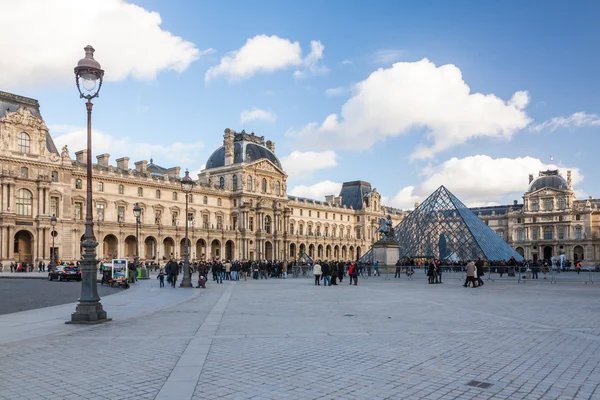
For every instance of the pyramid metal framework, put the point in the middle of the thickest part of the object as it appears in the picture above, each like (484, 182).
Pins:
(444, 228)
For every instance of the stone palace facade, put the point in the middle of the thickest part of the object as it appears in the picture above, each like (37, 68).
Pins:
(239, 208)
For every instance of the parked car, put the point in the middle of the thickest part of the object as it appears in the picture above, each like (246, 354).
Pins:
(62, 273)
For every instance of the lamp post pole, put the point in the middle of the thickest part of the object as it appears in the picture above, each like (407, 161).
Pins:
(186, 185)
(137, 212)
(89, 309)
(53, 233)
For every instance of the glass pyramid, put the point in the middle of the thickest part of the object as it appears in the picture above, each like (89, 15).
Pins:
(444, 228)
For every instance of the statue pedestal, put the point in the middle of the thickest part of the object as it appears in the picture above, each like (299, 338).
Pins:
(386, 253)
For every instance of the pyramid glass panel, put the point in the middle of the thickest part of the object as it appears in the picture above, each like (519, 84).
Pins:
(443, 227)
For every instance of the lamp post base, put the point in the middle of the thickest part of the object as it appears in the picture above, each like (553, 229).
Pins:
(88, 314)
(186, 283)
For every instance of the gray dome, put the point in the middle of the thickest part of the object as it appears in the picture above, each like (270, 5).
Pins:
(243, 151)
(553, 181)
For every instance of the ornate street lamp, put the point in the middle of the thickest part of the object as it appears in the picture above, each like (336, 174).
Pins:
(186, 185)
(53, 234)
(88, 78)
(137, 212)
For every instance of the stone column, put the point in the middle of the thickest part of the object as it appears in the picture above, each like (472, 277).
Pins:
(10, 239)
(3, 242)
(3, 199)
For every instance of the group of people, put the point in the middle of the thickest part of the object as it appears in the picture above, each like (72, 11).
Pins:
(331, 272)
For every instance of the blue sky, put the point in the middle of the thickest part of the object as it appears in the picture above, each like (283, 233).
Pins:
(406, 95)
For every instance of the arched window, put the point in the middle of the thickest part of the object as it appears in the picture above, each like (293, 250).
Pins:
(548, 233)
(278, 188)
(235, 187)
(267, 224)
(219, 202)
(121, 189)
(24, 143)
(54, 176)
(77, 183)
(140, 191)
(174, 196)
(562, 204)
(205, 200)
(101, 186)
(221, 183)
(158, 194)
(264, 185)
(24, 202)
(249, 183)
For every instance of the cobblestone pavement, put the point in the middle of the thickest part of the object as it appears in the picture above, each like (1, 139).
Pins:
(29, 294)
(289, 339)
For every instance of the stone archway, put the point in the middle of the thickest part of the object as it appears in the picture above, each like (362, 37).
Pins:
(328, 252)
(302, 249)
(311, 251)
(130, 246)
(268, 251)
(358, 252)
(344, 253)
(292, 251)
(578, 253)
(351, 253)
(215, 249)
(150, 248)
(229, 250)
(110, 246)
(336, 252)
(23, 247)
(168, 248)
(547, 253)
(521, 251)
(320, 252)
(201, 249)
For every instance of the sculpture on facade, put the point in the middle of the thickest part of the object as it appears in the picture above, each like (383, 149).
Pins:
(385, 228)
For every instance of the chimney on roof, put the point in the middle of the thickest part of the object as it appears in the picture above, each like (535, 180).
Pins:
(271, 146)
(81, 156)
(228, 137)
(569, 181)
(141, 166)
(530, 178)
(515, 202)
(330, 199)
(123, 163)
(174, 172)
(103, 159)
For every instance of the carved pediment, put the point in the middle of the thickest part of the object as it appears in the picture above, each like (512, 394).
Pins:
(266, 165)
(158, 207)
(24, 118)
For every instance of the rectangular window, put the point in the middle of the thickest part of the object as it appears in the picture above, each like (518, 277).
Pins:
(309, 213)
(234, 220)
(519, 236)
(78, 211)
(174, 218)
(54, 206)
(101, 186)
(205, 221)
(174, 196)
(219, 222)
(251, 223)
(578, 233)
(547, 234)
(100, 212)
(578, 217)
(548, 204)
(318, 214)
(561, 233)
(121, 214)
(562, 203)
(535, 206)
(300, 212)
(535, 233)
(140, 192)
(301, 230)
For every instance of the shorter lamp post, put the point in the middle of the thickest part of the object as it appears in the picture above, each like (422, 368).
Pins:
(53, 234)
(137, 212)
(186, 185)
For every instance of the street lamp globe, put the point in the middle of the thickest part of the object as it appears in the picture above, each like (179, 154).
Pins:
(53, 220)
(137, 210)
(88, 75)
(187, 183)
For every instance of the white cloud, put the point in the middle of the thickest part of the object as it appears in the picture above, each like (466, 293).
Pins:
(128, 40)
(318, 191)
(303, 164)
(576, 120)
(336, 91)
(257, 114)
(262, 54)
(387, 56)
(419, 96)
(347, 62)
(176, 153)
(478, 180)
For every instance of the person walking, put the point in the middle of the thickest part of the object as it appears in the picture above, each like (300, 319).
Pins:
(471, 270)
(227, 266)
(350, 272)
(376, 268)
(326, 274)
(317, 273)
(161, 278)
(479, 266)
(354, 275)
